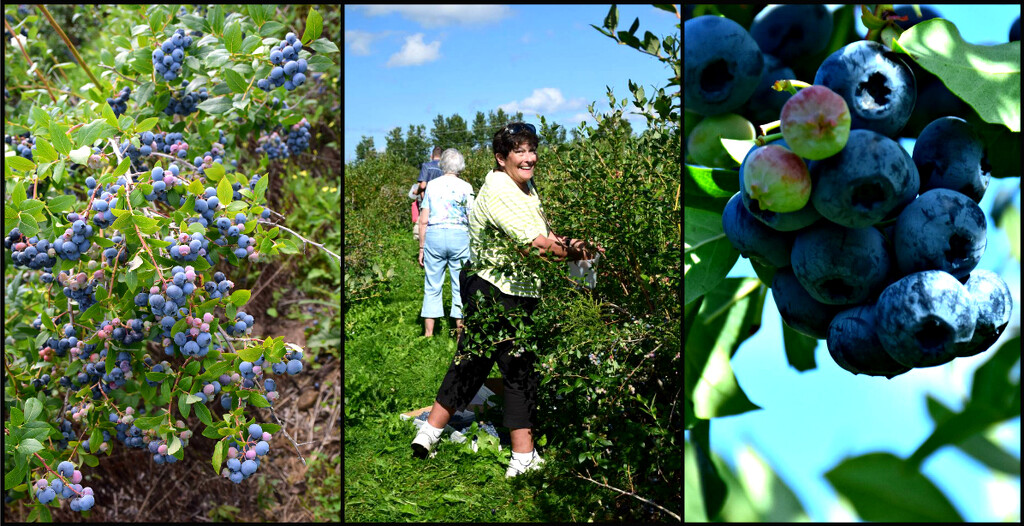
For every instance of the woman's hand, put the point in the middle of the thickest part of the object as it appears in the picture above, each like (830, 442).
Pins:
(590, 251)
(421, 257)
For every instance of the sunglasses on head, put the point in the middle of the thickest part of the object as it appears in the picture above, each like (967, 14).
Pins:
(519, 127)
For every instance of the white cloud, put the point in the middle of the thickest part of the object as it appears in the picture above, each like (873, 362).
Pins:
(544, 101)
(443, 15)
(415, 52)
(358, 42)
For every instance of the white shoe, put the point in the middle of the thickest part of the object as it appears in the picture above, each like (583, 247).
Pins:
(515, 466)
(423, 444)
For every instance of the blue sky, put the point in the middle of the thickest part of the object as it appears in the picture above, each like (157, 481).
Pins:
(811, 421)
(405, 64)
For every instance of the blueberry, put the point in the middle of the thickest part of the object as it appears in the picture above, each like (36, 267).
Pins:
(792, 32)
(722, 65)
(838, 265)
(66, 469)
(781, 221)
(995, 303)
(871, 178)
(765, 104)
(925, 319)
(940, 230)
(754, 239)
(949, 154)
(878, 86)
(798, 309)
(854, 345)
(255, 431)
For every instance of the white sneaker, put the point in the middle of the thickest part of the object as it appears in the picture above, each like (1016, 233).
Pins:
(516, 466)
(424, 443)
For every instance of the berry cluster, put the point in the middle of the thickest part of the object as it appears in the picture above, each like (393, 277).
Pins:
(870, 248)
(214, 155)
(101, 448)
(189, 247)
(243, 322)
(66, 486)
(208, 391)
(41, 382)
(79, 288)
(289, 70)
(75, 241)
(33, 253)
(243, 460)
(167, 61)
(292, 363)
(117, 251)
(295, 143)
(219, 287)
(195, 339)
(24, 144)
(186, 103)
(120, 103)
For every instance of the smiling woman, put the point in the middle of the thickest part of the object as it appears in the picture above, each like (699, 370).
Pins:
(507, 205)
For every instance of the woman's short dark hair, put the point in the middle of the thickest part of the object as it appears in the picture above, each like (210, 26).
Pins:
(511, 135)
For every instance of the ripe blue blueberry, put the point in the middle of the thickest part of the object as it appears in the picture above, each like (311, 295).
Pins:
(248, 467)
(839, 265)
(949, 154)
(854, 344)
(255, 431)
(66, 469)
(793, 31)
(878, 86)
(754, 239)
(766, 103)
(940, 230)
(722, 65)
(872, 178)
(262, 448)
(925, 319)
(995, 303)
(798, 309)
(46, 496)
(294, 367)
(234, 464)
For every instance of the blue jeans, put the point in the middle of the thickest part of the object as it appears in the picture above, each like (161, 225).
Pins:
(443, 247)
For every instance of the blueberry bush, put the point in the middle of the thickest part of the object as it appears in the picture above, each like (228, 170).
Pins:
(863, 245)
(609, 357)
(129, 222)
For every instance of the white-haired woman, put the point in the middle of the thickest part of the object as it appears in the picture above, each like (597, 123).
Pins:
(444, 237)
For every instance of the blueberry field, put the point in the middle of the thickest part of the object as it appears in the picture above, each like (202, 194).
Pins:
(609, 357)
(852, 232)
(172, 263)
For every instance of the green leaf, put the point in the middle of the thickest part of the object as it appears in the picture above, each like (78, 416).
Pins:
(708, 254)
(612, 20)
(872, 483)
(985, 77)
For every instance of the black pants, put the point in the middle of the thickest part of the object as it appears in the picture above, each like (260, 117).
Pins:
(468, 371)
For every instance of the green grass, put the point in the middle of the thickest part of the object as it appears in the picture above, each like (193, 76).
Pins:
(389, 369)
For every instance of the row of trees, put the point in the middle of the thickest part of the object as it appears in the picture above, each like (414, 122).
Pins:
(453, 132)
